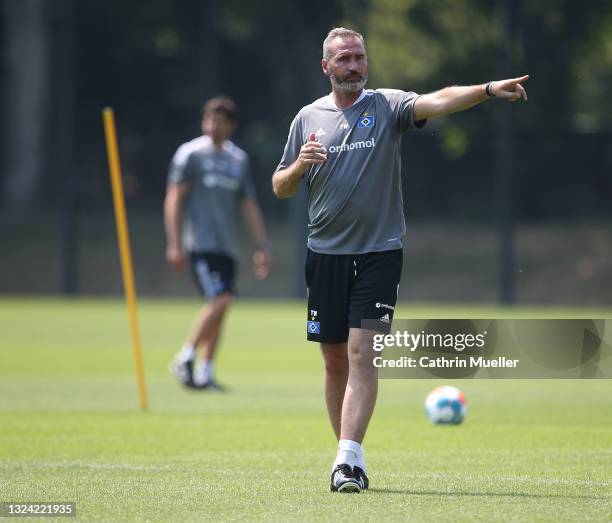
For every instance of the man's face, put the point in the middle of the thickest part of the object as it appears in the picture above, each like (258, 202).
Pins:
(218, 126)
(348, 66)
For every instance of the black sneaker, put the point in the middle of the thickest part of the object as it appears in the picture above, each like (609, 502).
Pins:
(362, 477)
(211, 385)
(183, 372)
(215, 386)
(343, 480)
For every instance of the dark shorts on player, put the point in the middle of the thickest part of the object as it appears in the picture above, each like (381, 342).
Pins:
(214, 274)
(345, 289)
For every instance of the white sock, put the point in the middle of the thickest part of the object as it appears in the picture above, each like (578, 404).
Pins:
(202, 372)
(187, 353)
(208, 371)
(361, 460)
(348, 452)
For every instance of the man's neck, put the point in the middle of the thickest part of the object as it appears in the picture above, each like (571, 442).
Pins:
(344, 100)
(218, 145)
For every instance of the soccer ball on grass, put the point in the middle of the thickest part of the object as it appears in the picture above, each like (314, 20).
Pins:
(445, 405)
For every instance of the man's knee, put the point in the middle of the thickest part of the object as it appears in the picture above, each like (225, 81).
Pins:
(360, 349)
(335, 358)
(220, 303)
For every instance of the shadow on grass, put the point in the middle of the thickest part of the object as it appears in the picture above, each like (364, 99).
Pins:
(410, 492)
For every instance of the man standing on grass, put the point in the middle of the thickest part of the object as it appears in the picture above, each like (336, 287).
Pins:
(346, 146)
(209, 176)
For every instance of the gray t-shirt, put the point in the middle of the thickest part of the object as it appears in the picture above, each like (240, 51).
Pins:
(355, 197)
(217, 181)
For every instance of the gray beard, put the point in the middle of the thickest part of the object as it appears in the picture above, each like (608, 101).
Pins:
(348, 87)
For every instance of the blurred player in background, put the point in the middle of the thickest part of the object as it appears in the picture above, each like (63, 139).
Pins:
(209, 179)
(346, 146)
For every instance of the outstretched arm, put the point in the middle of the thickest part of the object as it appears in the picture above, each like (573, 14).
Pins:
(459, 98)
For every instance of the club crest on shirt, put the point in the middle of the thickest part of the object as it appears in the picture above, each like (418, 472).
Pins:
(365, 120)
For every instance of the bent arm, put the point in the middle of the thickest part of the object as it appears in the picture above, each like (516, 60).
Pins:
(459, 98)
(285, 183)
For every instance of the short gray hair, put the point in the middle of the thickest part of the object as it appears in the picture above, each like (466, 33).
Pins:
(338, 32)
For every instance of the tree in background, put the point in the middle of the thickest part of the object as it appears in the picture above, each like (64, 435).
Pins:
(154, 60)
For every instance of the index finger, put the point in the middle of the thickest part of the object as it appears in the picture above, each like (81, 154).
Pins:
(521, 79)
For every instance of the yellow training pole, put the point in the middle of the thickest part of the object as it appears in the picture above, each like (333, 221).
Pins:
(124, 246)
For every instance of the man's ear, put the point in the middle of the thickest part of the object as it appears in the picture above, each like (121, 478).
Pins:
(324, 66)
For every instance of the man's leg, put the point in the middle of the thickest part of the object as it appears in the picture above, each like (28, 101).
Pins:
(335, 357)
(208, 323)
(336, 362)
(356, 404)
(210, 343)
(361, 387)
(206, 333)
(373, 297)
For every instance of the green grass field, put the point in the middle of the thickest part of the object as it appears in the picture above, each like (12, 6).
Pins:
(71, 429)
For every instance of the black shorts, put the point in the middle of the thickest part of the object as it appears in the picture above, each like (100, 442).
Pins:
(344, 289)
(214, 274)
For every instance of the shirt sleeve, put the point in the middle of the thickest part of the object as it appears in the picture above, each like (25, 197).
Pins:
(402, 106)
(179, 171)
(295, 140)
